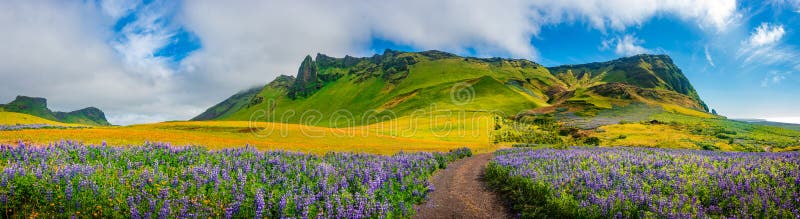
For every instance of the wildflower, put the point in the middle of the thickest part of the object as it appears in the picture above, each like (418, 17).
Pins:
(259, 203)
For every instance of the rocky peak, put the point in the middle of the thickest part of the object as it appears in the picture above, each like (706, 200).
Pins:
(282, 81)
(307, 81)
(32, 102)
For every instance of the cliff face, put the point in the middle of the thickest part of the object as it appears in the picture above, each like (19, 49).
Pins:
(307, 81)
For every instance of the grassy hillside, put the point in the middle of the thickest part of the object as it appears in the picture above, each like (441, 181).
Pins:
(643, 100)
(643, 71)
(397, 84)
(37, 106)
(374, 90)
(12, 118)
(230, 105)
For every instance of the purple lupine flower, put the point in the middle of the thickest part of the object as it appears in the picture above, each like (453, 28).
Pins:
(304, 181)
(134, 210)
(68, 190)
(259, 203)
(282, 204)
(164, 212)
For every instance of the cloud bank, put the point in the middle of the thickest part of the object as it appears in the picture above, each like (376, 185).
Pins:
(764, 46)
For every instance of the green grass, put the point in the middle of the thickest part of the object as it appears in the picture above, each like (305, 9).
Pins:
(746, 135)
(674, 130)
(12, 118)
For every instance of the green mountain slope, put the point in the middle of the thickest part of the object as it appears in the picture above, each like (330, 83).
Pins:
(37, 106)
(396, 84)
(230, 105)
(645, 73)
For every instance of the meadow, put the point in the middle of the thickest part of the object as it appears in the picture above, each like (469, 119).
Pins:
(155, 180)
(423, 134)
(647, 183)
(673, 130)
(9, 119)
(246, 169)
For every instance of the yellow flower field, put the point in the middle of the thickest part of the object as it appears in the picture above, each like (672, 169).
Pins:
(12, 118)
(406, 134)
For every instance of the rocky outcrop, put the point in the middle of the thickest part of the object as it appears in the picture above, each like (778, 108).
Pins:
(644, 71)
(307, 81)
(282, 81)
(37, 106)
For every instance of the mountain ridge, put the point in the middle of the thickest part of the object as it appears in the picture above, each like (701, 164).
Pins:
(37, 106)
(401, 82)
(642, 70)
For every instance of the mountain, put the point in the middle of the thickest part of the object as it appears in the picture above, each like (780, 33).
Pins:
(645, 74)
(396, 84)
(790, 126)
(37, 106)
(230, 105)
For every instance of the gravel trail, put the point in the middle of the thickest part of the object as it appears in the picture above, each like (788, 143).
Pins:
(460, 192)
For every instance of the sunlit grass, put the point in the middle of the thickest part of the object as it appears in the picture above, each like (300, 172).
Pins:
(12, 118)
(675, 130)
(636, 134)
(685, 111)
(404, 134)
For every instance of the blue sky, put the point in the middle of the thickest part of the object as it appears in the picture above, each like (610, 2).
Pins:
(153, 60)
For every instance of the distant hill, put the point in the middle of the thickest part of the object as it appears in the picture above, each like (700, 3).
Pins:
(397, 84)
(37, 106)
(791, 126)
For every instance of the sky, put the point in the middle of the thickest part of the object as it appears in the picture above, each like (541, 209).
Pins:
(146, 61)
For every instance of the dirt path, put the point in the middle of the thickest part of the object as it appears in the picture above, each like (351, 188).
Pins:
(459, 192)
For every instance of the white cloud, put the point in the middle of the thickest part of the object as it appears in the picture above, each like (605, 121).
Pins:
(765, 35)
(139, 40)
(764, 47)
(118, 8)
(708, 57)
(60, 50)
(774, 78)
(626, 45)
(712, 14)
